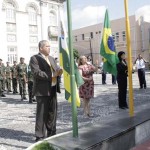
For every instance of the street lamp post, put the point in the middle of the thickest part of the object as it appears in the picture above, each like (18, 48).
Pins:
(91, 50)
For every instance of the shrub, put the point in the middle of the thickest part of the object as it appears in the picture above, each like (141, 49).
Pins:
(44, 146)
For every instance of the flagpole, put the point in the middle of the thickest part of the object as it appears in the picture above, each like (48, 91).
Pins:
(131, 103)
(72, 76)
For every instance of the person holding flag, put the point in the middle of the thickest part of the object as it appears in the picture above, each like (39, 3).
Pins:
(107, 48)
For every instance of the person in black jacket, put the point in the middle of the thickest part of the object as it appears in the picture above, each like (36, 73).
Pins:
(45, 72)
(122, 71)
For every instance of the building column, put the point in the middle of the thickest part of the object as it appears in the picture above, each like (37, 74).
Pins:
(44, 20)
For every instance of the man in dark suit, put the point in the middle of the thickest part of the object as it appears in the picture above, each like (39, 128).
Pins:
(45, 72)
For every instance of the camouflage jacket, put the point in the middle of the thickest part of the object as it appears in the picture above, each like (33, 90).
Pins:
(8, 72)
(14, 71)
(2, 72)
(21, 71)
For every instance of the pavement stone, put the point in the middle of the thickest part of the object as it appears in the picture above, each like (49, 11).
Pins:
(17, 118)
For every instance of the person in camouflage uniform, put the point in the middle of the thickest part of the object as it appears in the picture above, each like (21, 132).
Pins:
(30, 85)
(8, 77)
(2, 77)
(22, 77)
(14, 77)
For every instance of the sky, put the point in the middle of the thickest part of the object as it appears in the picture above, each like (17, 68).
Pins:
(89, 12)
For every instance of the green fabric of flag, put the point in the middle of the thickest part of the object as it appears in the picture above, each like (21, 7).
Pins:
(65, 63)
(107, 48)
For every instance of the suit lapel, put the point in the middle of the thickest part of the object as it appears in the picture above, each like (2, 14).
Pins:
(43, 60)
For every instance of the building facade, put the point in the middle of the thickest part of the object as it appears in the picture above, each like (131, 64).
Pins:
(24, 23)
(87, 40)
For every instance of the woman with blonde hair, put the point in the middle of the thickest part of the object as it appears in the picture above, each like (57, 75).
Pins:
(86, 91)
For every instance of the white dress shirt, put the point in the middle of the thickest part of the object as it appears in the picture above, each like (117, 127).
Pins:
(140, 64)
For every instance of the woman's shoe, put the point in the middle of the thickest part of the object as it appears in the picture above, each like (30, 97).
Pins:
(122, 107)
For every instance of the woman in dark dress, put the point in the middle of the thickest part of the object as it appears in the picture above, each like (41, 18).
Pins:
(122, 71)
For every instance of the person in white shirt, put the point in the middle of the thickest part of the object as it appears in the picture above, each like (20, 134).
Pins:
(140, 64)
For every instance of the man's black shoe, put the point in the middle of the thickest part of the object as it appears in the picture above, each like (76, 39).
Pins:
(122, 107)
(39, 139)
(25, 98)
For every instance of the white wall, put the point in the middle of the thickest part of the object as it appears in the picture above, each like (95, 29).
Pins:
(23, 43)
(3, 38)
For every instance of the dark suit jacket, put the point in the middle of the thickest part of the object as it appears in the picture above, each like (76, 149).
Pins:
(122, 71)
(42, 74)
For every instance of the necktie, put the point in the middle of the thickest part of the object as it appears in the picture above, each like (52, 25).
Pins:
(47, 60)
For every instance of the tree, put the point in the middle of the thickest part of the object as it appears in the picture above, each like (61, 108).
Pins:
(76, 53)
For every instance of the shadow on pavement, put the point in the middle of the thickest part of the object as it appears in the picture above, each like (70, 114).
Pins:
(16, 135)
(10, 145)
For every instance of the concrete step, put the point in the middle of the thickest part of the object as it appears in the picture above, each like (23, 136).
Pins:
(117, 132)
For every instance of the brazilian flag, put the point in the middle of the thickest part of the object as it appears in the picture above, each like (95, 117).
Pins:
(65, 64)
(107, 48)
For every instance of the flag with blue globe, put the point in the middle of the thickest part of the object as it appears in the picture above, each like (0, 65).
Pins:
(107, 48)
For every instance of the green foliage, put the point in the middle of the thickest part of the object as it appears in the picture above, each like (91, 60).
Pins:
(43, 146)
(76, 53)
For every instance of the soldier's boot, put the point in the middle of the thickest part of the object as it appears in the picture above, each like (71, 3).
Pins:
(21, 97)
(30, 98)
(3, 95)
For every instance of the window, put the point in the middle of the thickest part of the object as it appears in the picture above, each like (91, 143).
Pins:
(91, 35)
(33, 39)
(11, 27)
(117, 36)
(82, 36)
(32, 16)
(123, 35)
(113, 36)
(76, 38)
(52, 31)
(10, 13)
(12, 54)
(54, 39)
(53, 18)
(11, 38)
(33, 51)
(33, 29)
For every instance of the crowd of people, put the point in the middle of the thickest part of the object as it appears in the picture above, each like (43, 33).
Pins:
(17, 75)
(43, 77)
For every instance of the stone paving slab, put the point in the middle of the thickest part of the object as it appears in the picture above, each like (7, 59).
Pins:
(17, 118)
